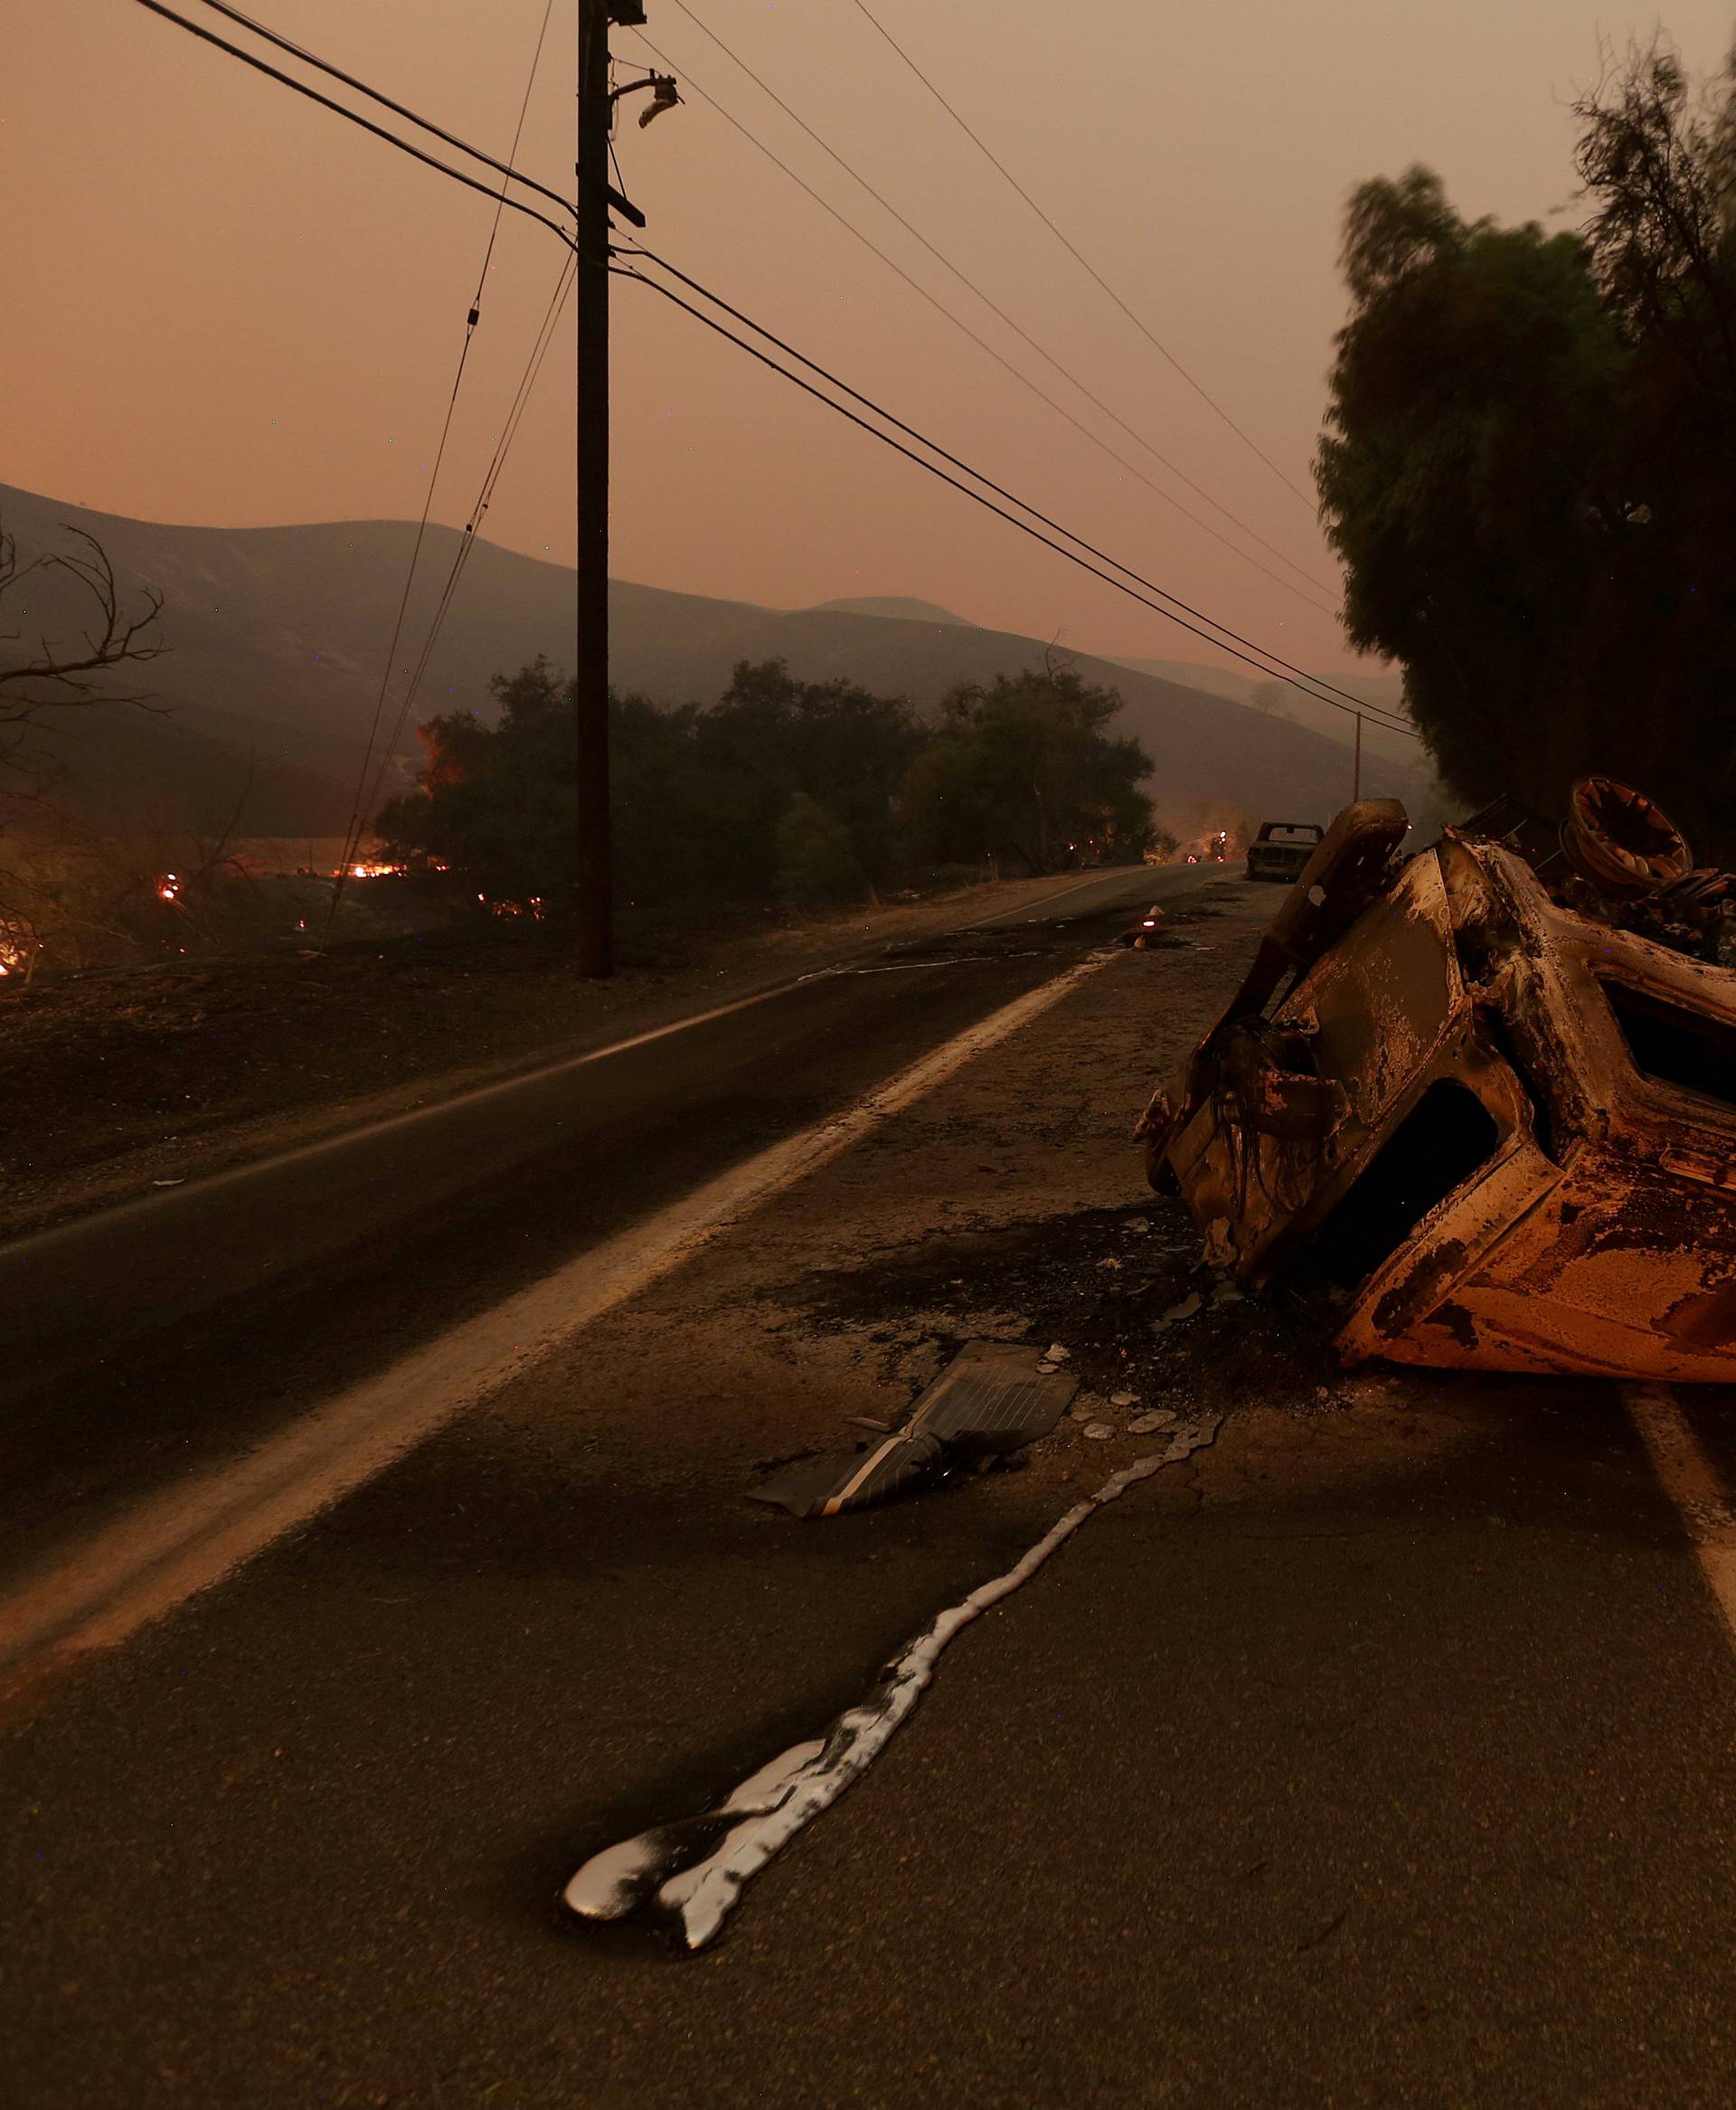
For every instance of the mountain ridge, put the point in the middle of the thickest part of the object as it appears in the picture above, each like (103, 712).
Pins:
(277, 637)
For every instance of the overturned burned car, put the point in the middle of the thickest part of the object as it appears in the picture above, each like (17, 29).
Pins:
(1489, 1090)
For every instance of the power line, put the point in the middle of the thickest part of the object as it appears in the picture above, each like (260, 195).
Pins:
(959, 324)
(374, 95)
(501, 201)
(1042, 353)
(355, 117)
(357, 824)
(512, 152)
(354, 830)
(887, 206)
(1084, 262)
(1305, 685)
(1374, 710)
(461, 557)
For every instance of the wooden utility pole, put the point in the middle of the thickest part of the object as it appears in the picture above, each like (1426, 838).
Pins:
(1356, 781)
(597, 196)
(596, 934)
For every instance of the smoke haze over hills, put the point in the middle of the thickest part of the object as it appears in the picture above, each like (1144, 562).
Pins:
(277, 637)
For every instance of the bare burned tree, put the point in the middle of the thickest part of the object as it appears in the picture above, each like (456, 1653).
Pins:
(59, 676)
(65, 677)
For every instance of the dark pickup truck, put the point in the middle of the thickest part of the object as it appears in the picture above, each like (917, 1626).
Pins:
(1282, 849)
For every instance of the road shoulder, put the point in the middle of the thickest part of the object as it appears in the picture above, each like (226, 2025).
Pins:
(123, 1083)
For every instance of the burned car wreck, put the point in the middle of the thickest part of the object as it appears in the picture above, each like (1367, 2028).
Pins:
(1488, 1091)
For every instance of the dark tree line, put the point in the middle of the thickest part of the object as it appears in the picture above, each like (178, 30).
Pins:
(802, 792)
(1530, 461)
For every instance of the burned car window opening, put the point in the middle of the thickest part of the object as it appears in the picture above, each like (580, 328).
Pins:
(1683, 1048)
(1446, 1139)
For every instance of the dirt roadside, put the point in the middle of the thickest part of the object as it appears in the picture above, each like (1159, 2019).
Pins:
(1010, 1204)
(112, 1081)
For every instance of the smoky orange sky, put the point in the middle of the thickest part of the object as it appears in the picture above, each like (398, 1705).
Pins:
(227, 307)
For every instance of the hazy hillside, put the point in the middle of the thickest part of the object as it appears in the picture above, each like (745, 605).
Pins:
(1387, 690)
(1216, 681)
(1384, 691)
(277, 637)
(903, 605)
(1210, 754)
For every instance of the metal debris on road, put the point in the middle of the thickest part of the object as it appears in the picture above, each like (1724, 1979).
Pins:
(993, 1398)
(1148, 932)
(1490, 1090)
(694, 1871)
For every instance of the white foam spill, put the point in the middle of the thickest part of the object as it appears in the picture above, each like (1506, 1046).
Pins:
(701, 1866)
(610, 1883)
(765, 1789)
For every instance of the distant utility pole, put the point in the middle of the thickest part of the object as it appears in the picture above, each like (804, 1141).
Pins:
(1356, 780)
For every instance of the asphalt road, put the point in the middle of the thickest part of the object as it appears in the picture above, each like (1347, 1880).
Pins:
(186, 1325)
(1380, 1755)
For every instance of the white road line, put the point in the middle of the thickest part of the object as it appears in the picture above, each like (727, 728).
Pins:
(698, 1869)
(190, 1536)
(1025, 909)
(342, 1138)
(1691, 1480)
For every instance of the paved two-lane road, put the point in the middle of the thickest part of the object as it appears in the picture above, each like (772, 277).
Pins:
(1379, 1755)
(187, 1326)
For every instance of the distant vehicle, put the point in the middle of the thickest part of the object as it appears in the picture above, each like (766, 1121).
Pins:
(1282, 849)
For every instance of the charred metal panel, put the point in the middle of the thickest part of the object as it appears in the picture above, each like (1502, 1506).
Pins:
(1500, 1113)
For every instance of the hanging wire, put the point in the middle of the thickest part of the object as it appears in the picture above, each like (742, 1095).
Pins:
(357, 826)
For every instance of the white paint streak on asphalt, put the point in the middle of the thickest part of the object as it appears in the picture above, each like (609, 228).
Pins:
(1026, 911)
(697, 1868)
(1691, 1480)
(187, 1537)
